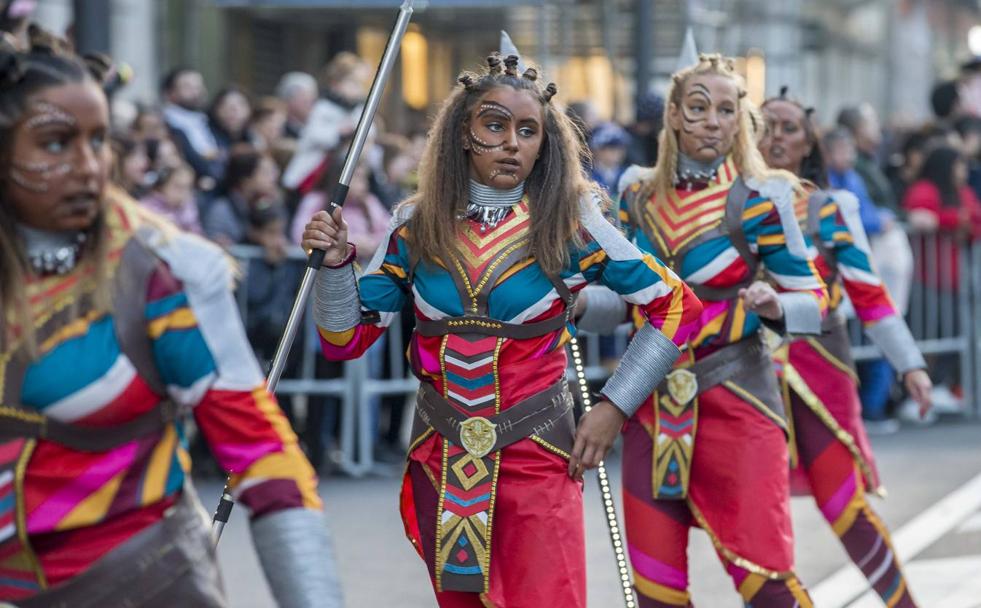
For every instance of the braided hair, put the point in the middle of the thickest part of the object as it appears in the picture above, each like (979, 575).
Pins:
(812, 167)
(47, 63)
(554, 186)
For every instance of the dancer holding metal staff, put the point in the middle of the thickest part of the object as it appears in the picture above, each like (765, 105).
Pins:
(114, 323)
(503, 233)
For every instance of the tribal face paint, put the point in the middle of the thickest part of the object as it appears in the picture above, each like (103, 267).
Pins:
(504, 135)
(59, 158)
(707, 118)
(786, 142)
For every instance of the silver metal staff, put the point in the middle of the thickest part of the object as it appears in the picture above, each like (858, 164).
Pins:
(316, 258)
(606, 493)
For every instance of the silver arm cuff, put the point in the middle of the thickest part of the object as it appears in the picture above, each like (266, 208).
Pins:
(336, 304)
(295, 550)
(649, 358)
(894, 339)
(801, 313)
(605, 310)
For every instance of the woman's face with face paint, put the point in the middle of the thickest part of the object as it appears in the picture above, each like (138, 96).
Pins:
(59, 164)
(503, 137)
(706, 118)
(786, 143)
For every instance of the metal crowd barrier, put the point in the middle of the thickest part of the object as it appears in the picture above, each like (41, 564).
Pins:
(942, 314)
(354, 388)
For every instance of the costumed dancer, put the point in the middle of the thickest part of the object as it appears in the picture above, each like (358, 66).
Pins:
(834, 459)
(709, 448)
(491, 252)
(114, 323)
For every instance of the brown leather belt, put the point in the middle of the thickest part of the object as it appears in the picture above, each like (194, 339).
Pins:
(547, 415)
(749, 356)
(23, 423)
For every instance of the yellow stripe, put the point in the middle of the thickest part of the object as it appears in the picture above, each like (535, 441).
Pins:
(155, 479)
(750, 586)
(798, 593)
(713, 328)
(76, 328)
(182, 318)
(515, 270)
(337, 338)
(847, 517)
(290, 463)
(771, 239)
(738, 321)
(591, 259)
(898, 595)
(828, 210)
(660, 593)
(394, 269)
(94, 507)
(757, 210)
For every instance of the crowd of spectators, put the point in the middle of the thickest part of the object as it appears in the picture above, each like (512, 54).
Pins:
(246, 170)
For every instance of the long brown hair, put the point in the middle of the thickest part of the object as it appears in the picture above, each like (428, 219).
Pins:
(554, 187)
(747, 158)
(22, 74)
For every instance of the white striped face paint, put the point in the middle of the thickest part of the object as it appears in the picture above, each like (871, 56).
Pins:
(60, 158)
(504, 136)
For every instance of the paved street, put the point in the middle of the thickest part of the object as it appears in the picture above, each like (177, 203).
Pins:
(933, 476)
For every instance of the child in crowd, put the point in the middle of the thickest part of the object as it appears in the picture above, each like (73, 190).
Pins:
(172, 196)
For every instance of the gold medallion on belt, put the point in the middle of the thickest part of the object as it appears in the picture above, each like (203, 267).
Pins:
(682, 385)
(478, 436)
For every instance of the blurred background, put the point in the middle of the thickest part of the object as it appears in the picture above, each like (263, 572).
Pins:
(232, 118)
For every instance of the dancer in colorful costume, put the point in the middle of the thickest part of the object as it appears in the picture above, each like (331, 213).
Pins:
(834, 460)
(491, 252)
(113, 324)
(709, 448)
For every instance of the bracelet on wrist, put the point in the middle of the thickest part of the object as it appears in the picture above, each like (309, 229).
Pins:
(352, 252)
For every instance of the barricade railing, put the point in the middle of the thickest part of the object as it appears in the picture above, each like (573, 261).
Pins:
(942, 314)
(355, 388)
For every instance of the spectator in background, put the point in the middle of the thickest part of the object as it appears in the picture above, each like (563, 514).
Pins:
(969, 129)
(945, 101)
(346, 80)
(644, 132)
(131, 165)
(904, 166)
(250, 180)
(839, 148)
(863, 123)
(366, 216)
(269, 280)
(172, 196)
(298, 90)
(228, 119)
(148, 124)
(184, 97)
(942, 200)
(267, 124)
(609, 144)
(893, 259)
(162, 153)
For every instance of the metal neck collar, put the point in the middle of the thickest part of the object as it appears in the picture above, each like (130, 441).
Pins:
(489, 205)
